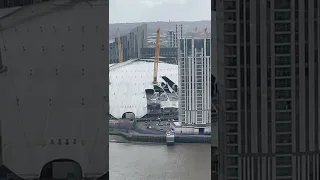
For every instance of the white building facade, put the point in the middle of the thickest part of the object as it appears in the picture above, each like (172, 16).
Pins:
(195, 81)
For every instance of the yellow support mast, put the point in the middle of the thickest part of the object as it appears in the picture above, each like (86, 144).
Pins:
(156, 58)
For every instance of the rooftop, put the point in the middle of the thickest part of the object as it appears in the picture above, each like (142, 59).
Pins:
(128, 82)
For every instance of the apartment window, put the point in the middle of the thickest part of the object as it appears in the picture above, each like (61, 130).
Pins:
(283, 171)
(283, 149)
(230, 16)
(230, 61)
(230, 39)
(230, 27)
(230, 5)
(232, 128)
(283, 127)
(231, 117)
(283, 71)
(282, 4)
(231, 106)
(232, 161)
(231, 83)
(282, 16)
(283, 105)
(232, 149)
(282, 60)
(282, 27)
(232, 139)
(283, 160)
(283, 116)
(232, 172)
(283, 94)
(231, 72)
(283, 49)
(231, 95)
(282, 38)
(281, 83)
(283, 138)
(230, 50)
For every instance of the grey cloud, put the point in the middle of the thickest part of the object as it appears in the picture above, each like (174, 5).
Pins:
(121, 11)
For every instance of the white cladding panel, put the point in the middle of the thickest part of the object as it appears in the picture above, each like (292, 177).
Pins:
(58, 71)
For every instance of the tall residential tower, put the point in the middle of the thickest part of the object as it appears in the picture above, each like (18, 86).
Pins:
(269, 85)
(195, 81)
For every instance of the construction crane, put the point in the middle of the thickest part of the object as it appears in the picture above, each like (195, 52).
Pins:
(195, 31)
(156, 58)
(119, 48)
(205, 33)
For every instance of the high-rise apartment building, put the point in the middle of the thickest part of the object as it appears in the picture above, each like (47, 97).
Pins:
(172, 38)
(131, 44)
(178, 34)
(195, 81)
(269, 85)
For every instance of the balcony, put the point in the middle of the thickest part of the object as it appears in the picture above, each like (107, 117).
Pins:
(283, 73)
(230, 17)
(231, 84)
(232, 172)
(282, 27)
(282, 49)
(231, 118)
(283, 160)
(230, 39)
(283, 83)
(283, 105)
(230, 28)
(283, 127)
(231, 106)
(232, 139)
(283, 61)
(283, 149)
(230, 62)
(231, 96)
(283, 4)
(282, 16)
(232, 161)
(232, 149)
(230, 5)
(230, 50)
(284, 139)
(231, 73)
(283, 94)
(231, 128)
(283, 117)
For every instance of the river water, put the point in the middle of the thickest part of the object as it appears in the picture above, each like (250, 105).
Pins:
(152, 161)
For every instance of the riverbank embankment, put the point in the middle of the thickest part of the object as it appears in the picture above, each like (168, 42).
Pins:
(162, 138)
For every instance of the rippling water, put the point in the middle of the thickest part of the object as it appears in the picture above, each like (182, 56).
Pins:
(151, 161)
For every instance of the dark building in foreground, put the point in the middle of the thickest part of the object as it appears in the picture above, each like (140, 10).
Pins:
(269, 85)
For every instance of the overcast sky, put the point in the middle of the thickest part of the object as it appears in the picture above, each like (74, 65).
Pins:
(127, 11)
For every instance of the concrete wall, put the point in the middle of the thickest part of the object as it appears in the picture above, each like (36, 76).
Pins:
(58, 70)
